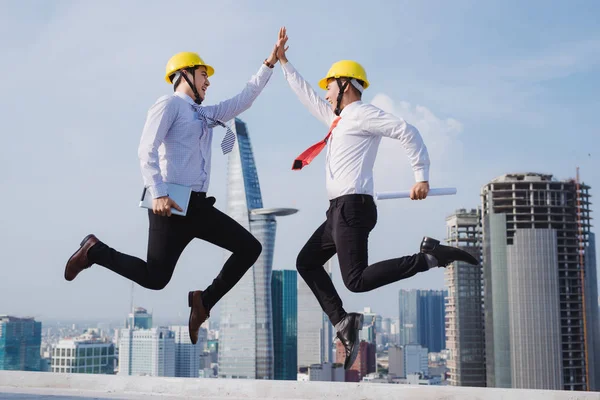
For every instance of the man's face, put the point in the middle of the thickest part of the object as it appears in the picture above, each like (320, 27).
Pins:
(201, 81)
(332, 92)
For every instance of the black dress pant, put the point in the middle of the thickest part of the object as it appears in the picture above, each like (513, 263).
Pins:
(168, 237)
(350, 219)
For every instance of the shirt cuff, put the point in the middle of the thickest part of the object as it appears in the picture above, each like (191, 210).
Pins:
(422, 175)
(159, 190)
(264, 71)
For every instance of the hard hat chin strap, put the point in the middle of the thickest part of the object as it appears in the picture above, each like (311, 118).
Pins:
(342, 87)
(197, 99)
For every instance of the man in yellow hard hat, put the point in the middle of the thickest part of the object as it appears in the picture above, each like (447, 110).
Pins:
(355, 132)
(175, 148)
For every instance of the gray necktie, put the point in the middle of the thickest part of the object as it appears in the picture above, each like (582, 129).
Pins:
(228, 140)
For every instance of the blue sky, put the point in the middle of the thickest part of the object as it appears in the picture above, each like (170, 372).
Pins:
(494, 87)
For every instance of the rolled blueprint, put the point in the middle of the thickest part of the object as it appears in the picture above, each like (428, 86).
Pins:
(404, 194)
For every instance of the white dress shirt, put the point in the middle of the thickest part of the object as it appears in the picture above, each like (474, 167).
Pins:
(352, 146)
(175, 146)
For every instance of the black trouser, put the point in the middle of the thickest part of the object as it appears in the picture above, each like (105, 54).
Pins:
(168, 237)
(350, 219)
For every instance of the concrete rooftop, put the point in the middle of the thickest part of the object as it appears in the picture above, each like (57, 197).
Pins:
(52, 386)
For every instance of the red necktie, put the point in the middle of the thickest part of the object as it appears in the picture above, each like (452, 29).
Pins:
(309, 154)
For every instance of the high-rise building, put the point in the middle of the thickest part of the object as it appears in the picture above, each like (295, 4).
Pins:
(246, 323)
(187, 355)
(422, 318)
(431, 324)
(147, 352)
(86, 354)
(139, 318)
(284, 289)
(541, 327)
(408, 319)
(315, 332)
(465, 339)
(20, 342)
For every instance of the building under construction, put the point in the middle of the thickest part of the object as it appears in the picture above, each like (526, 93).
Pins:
(540, 284)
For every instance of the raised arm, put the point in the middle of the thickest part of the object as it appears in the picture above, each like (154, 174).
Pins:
(318, 106)
(382, 123)
(231, 108)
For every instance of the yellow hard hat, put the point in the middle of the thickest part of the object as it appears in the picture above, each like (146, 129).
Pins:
(345, 69)
(183, 60)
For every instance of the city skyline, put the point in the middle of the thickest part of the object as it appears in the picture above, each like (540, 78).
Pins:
(480, 83)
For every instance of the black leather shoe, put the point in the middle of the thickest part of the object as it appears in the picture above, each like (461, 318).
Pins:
(348, 335)
(445, 254)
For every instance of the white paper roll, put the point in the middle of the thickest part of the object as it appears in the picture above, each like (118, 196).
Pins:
(404, 194)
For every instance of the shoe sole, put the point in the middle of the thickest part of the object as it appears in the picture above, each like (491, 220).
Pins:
(85, 239)
(190, 304)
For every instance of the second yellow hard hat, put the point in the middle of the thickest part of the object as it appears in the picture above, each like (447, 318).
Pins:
(345, 69)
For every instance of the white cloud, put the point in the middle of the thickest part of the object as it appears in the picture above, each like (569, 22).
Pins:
(441, 136)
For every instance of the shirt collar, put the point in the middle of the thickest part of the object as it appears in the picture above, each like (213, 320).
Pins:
(350, 107)
(185, 97)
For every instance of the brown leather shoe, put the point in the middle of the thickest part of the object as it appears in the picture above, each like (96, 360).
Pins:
(79, 260)
(198, 314)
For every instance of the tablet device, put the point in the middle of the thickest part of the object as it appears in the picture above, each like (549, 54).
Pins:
(179, 193)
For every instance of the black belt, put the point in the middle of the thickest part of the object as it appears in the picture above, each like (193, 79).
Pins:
(199, 199)
(364, 198)
(198, 195)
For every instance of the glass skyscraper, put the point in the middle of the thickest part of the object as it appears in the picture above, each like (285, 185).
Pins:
(422, 318)
(407, 305)
(246, 330)
(285, 323)
(20, 340)
(431, 325)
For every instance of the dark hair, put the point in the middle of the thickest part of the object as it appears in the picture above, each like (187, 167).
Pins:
(176, 83)
(354, 89)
